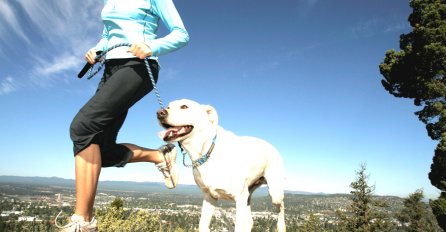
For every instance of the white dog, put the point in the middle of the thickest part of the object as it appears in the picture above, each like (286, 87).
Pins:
(225, 166)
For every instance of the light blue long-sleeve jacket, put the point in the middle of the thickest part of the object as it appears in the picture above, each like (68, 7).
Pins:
(130, 21)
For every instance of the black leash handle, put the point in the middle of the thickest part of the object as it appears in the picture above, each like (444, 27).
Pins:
(88, 66)
(99, 56)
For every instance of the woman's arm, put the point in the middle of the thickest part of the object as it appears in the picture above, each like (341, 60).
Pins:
(102, 44)
(178, 36)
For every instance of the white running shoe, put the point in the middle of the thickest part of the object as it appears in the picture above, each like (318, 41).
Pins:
(78, 224)
(169, 167)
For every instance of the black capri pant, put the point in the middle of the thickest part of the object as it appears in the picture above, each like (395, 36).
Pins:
(125, 82)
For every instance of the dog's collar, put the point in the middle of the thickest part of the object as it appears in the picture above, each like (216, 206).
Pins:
(202, 159)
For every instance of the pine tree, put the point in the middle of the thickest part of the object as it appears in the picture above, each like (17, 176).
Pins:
(416, 216)
(362, 200)
(117, 203)
(115, 218)
(418, 71)
(365, 213)
(313, 224)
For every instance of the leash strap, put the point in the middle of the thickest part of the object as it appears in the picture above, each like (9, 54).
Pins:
(99, 58)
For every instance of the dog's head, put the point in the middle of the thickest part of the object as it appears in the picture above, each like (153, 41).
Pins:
(184, 118)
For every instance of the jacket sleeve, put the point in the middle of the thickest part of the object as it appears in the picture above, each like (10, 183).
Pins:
(178, 36)
(102, 44)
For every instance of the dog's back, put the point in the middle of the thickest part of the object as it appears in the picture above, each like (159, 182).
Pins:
(249, 157)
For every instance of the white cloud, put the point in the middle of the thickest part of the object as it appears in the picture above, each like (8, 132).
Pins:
(398, 27)
(311, 2)
(11, 22)
(8, 85)
(47, 72)
(305, 6)
(58, 65)
(373, 26)
(365, 28)
(66, 24)
(169, 73)
(55, 34)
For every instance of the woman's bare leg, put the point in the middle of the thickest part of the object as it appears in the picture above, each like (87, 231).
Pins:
(141, 154)
(88, 168)
(164, 162)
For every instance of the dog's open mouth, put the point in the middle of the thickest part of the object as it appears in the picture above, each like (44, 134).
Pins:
(174, 132)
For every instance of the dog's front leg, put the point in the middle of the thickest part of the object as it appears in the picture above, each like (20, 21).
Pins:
(207, 210)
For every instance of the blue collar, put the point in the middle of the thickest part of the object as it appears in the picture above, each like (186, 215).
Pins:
(202, 159)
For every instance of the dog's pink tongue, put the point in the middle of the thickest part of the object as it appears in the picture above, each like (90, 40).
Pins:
(170, 133)
(162, 134)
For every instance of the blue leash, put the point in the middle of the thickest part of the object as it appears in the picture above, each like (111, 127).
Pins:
(89, 67)
(202, 159)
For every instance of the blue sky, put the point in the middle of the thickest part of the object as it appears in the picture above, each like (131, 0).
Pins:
(302, 74)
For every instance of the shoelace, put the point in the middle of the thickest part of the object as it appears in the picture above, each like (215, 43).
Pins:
(55, 221)
(164, 169)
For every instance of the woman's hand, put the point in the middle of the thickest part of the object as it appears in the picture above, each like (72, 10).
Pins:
(90, 55)
(140, 50)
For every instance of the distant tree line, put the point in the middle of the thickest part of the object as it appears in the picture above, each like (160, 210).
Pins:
(365, 213)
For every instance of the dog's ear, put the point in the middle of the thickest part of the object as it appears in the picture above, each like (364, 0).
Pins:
(212, 114)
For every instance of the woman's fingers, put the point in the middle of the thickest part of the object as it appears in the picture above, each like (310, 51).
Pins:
(140, 50)
(90, 55)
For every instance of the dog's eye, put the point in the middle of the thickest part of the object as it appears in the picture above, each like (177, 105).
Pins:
(184, 107)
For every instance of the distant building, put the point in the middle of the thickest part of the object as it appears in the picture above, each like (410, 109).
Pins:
(28, 219)
(8, 213)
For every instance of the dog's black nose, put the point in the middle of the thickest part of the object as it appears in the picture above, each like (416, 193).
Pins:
(161, 114)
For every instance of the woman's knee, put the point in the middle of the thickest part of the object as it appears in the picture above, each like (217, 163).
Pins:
(82, 130)
(75, 128)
